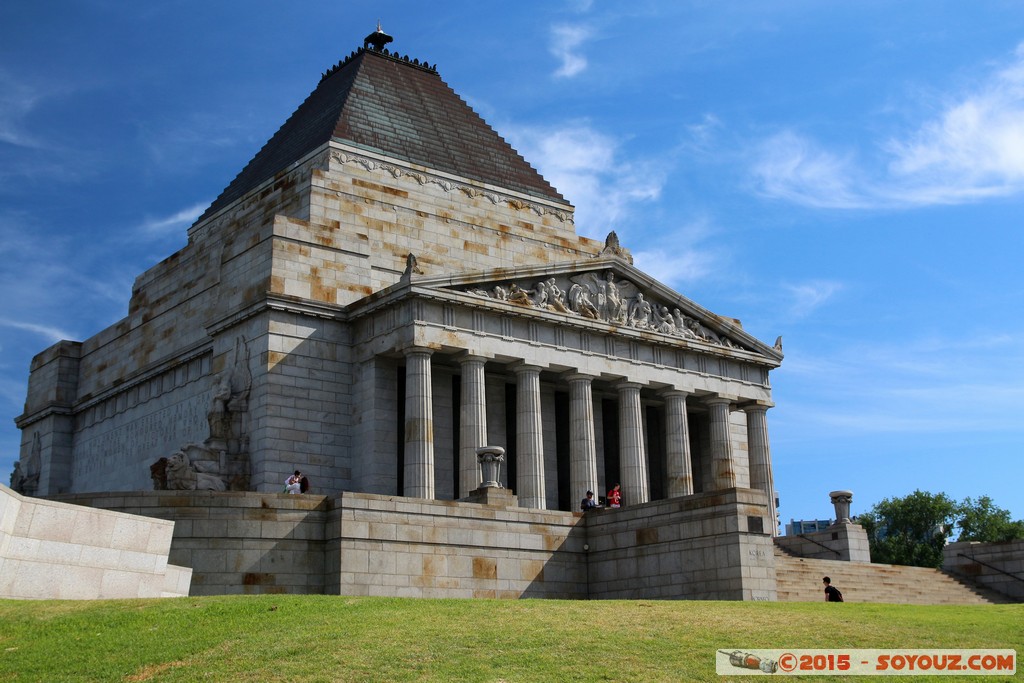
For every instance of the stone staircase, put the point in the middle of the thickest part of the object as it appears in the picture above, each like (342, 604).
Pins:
(799, 580)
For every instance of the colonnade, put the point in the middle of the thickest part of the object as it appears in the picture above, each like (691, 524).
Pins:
(633, 462)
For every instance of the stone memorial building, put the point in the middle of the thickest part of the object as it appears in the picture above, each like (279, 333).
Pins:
(385, 289)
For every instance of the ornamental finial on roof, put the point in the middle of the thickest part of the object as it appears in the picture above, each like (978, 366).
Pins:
(378, 39)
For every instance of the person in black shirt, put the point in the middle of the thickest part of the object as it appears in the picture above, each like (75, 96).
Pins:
(832, 593)
(588, 503)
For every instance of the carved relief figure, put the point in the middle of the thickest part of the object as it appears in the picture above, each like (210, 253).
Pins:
(25, 477)
(597, 296)
(183, 476)
(640, 313)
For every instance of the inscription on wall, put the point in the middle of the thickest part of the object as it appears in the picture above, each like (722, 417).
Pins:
(128, 444)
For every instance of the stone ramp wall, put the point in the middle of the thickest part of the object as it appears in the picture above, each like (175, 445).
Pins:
(54, 550)
(995, 566)
(799, 580)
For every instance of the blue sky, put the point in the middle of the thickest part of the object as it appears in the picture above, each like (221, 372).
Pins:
(847, 175)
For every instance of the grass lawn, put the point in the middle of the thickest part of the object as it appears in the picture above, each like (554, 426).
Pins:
(328, 638)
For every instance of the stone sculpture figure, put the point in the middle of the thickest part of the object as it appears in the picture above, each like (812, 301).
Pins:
(25, 477)
(640, 313)
(183, 476)
(613, 248)
(599, 296)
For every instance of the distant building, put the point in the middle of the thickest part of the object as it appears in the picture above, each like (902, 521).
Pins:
(807, 526)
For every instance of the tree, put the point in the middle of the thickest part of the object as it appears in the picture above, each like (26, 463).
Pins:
(983, 520)
(911, 530)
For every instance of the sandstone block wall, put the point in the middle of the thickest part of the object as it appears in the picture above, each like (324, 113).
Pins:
(701, 547)
(847, 542)
(384, 545)
(54, 550)
(710, 546)
(996, 566)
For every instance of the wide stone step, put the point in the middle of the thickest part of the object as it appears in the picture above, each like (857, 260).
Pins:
(799, 580)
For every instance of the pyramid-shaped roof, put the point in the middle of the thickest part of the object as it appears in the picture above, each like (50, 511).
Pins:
(398, 107)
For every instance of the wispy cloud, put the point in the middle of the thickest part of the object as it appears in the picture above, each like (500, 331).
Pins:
(50, 334)
(681, 255)
(566, 41)
(17, 101)
(585, 165)
(791, 167)
(971, 149)
(175, 222)
(807, 297)
(906, 386)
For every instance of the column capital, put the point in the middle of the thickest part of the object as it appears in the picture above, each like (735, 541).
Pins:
(756, 406)
(522, 367)
(417, 351)
(573, 376)
(675, 393)
(469, 357)
(627, 384)
(718, 399)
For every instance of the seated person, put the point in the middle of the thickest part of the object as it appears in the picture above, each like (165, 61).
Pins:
(589, 503)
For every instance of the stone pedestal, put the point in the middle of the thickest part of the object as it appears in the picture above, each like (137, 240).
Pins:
(490, 495)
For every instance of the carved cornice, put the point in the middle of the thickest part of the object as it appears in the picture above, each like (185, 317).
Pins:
(448, 185)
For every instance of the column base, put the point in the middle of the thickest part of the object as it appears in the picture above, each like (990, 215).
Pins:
(492, 495)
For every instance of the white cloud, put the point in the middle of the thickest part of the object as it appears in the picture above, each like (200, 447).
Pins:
(809, 296)
(905, 386)
(585, 166)
(566, 41)
(970, 150)
(791, 167)
(174, 222)
(973, 149)
(679, 256)
(17, 101)
(51, 334)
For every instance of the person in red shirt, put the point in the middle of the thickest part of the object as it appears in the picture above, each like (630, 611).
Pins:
(615, 497)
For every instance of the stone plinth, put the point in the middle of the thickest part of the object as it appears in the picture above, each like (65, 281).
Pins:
(490, 495)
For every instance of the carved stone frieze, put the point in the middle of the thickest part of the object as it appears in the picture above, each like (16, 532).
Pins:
(600, 296)
(338, 156)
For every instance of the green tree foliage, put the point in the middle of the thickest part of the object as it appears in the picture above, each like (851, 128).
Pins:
(910, 530)
(913, 529)
(983, 520)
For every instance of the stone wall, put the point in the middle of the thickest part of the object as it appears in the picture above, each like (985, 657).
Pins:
(706, 546)
(847, 542)
(709, 546)
(981, 564)
(53, 550)
(386, 545)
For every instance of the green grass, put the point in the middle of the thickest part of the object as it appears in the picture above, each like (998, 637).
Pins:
(324, 638)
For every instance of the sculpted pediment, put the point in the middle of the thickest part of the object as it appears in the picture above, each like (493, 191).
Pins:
(606, 290)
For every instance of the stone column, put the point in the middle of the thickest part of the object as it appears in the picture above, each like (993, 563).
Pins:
(760, 456)
(419, 425)
(472, 422)
(529, 439)
(678, 466)
(582, 443)
(633, 460)
(723, 474)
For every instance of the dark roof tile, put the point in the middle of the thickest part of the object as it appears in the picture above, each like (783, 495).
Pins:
(380, 102)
